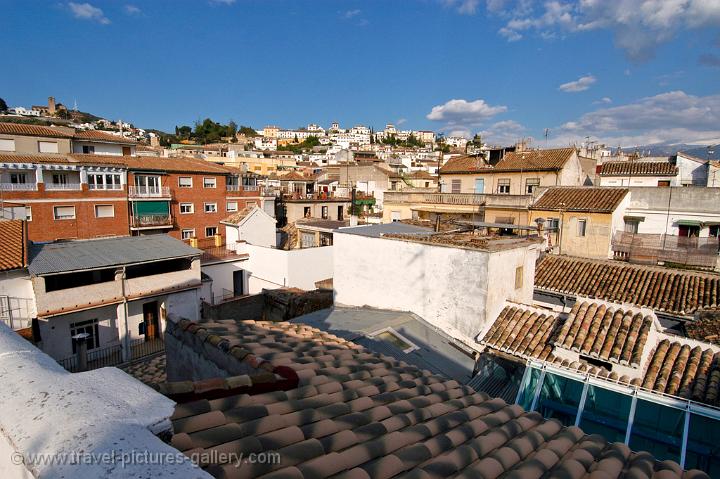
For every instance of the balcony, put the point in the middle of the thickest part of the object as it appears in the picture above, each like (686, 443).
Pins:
(18, 186)
(648, 248)
(104, 187)
(470, 199)
(63, 187)
(148, 191)
(151, 221)
(233, 187)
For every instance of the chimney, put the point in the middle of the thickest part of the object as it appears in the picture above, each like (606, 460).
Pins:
(51, 105)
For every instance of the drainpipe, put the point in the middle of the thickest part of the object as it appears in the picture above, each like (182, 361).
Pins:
(126, 338)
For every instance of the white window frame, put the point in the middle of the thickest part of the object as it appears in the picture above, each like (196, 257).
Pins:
(55, 215)
(503, 183)
(229, 209)
(192, 208)
(180, 178)
(111, 206)
(19, 175)
(189, 230)
(205, 207)
(115, 183)
(206, 231)
(213, 180)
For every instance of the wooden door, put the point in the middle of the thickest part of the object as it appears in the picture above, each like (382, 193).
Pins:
(150, 316)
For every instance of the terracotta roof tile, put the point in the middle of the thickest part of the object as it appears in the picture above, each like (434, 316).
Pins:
(63, 159)
(465, 164)
(366, 415)
(535, 160)
(662, 289)
(583, 198)
(103, 136)
(145, 163)
(12, 239)
(638, 168)
(33, 130)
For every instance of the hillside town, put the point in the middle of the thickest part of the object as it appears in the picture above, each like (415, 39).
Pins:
(345, 302)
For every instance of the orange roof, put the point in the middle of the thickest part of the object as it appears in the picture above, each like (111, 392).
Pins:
(535, 160)
(465, 164)
(33, 130)
(580, 198)
(181, 164)
(12, 238)
(93, 135)
(63, 159)
(638, 168)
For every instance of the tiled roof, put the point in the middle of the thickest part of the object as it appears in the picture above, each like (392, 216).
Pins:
(95, 135)
(706, 328)
(685, 371)
(523, 331)
(179, 164)
(12, 239)
(535, 160)
(604, 332)
(295, 176)
(422, 175)
(638, 168)
(238, 216)
(465, 164)
(33, 130)
(354, 414)
(582, 198)
(662, 289)
(607, 333)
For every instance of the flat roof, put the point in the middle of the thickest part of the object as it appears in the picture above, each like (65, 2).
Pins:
(49, 258)
(376, 231)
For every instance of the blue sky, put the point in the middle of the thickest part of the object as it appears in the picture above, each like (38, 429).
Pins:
(624, 71)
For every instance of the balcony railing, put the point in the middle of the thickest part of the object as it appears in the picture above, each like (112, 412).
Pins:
(654, 248)
(18, 186)
(112, 355)
(233, 187)
(63, 186)
(105, 187)
(148, 191)
(144, 221)
(435, 198)
(251, 188)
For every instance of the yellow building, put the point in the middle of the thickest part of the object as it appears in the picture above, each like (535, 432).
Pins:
(518, 173)
(580, 221)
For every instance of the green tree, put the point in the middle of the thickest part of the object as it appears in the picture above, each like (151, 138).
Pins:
(231, 129)
(247, 131)
(3, 106)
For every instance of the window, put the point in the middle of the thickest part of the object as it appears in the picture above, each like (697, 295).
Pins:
(147, 185)
(18, 178)
(210, 207)
(559, 398)
(455, 186)
(394, 216)
(28, 213)
(187, 234)
(606, 413)
(187, 208)
(104, 211)
(64, 212)
(307, 240)
(209, 183)
(90, 328)
(657, 429)
(324, 212)
(553, 224)
(631, 226)
(714, 231)
(518, 277)
(340, 213)
(663, 183)
(47, 146)
(7, 144)
(231, 206)
(306, 212)
(104, 181)
(531, 184)
(503, 186)
(88, 149)
(185, 182)
(582, 227)
(59, 179)
(210, 231)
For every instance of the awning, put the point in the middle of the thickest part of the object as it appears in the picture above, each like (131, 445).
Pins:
(688, 223)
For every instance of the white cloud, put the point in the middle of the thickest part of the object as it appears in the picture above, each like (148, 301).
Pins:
(400, 121)
(463, 7)
(85, 11)
(132, 10)
(506, 132)
(671, 117)
(604, 100)
(463, 111)
(352, 13)
(581, 84)
(639, 26)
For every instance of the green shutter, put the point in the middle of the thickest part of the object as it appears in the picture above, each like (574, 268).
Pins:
(147, 208)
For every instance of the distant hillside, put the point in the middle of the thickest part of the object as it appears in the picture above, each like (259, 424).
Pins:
(699, 151)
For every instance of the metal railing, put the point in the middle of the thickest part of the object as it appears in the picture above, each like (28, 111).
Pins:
(653, 248)
(150, 220)
(233, 187)
(62, 186)
(18, 186)
(135, 191)
(251, 187)
(434, 198)
(112, 355)
(225, 296)
(104, 187)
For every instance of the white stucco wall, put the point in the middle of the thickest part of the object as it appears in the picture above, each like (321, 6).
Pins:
(257, 229)
(459, 290)
(637, 180)
(17, 286)
(55, 331)
(100, 148)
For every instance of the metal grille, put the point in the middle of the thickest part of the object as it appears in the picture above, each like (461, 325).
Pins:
(654, 248)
